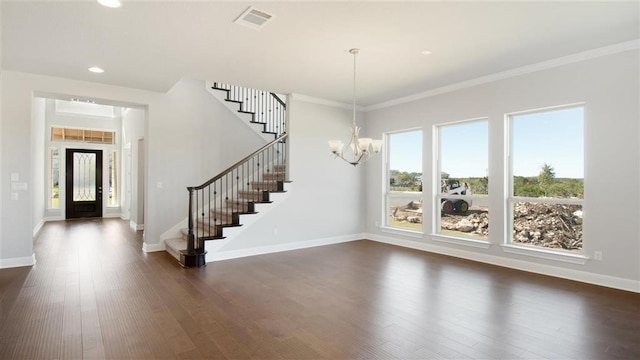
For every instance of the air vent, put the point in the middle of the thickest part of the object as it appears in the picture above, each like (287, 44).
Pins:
(254, 18)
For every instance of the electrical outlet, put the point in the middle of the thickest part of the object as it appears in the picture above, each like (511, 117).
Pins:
(597, 255)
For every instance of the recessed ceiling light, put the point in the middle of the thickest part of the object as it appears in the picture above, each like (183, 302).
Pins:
(110, 3)
(425, 52)
(95, 69)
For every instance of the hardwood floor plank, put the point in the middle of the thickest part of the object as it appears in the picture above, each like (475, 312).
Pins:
(94, 294)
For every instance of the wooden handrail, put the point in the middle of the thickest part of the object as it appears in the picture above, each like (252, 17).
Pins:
(275, 96)
(232, 167)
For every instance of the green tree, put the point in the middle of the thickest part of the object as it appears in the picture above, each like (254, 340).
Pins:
(525, 186)
(546, 178)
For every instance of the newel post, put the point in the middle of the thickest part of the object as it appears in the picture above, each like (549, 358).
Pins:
(191, 237)
(192, 257)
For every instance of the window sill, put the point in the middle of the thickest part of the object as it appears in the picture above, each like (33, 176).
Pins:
(403, 232)
(482, 244)
(545, 254)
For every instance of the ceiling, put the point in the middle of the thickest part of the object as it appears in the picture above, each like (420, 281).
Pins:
(304, 49)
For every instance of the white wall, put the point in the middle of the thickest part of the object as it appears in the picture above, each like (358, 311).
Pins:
(133, 127)
(38, 120)
(3, 175)
(609, 87)
(184, 146)
(325, 202)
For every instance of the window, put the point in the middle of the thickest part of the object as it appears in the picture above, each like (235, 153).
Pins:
(54, 179)
(462, 203)
(83, 135)
(404, 180)
(113, 179)
(547, 179)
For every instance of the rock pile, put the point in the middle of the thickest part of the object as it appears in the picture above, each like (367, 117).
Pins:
(476, 223)
(548, 225)
(412, 212)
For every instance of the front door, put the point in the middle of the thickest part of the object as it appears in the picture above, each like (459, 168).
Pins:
(84, 183)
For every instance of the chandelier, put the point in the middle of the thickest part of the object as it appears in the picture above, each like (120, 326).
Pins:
(358, 149)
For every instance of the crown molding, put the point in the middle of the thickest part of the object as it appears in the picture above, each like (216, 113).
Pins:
(549, 64)
(324, 102)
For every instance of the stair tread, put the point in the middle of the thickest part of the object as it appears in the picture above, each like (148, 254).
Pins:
(212, 237)
(176, 243)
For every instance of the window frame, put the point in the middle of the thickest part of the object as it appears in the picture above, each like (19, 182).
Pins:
(437, 195)
(113, 178)
(50, 178)
(386, 186)
(508, 244)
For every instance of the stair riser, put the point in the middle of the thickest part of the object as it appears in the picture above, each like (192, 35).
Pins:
(274, 176)
(253, 196)
(265, 186)
(241, 207)
(213, 231)
(225, 218)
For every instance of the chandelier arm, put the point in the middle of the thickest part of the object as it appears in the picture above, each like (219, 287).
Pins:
(345, 160)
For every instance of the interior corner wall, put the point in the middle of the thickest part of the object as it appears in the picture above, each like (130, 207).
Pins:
(609, 87)
(325, 201)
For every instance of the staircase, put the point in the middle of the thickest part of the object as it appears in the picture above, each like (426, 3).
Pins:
(223, 201)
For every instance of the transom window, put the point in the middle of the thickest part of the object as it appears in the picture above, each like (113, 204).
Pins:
(83, 135)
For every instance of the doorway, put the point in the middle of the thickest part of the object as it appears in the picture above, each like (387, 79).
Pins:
(83, 183)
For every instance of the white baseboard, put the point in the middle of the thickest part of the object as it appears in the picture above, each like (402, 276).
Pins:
(152, 247)
(576, 275)
(234, 254)
(38, 227)
(18, 262)
(135, 227)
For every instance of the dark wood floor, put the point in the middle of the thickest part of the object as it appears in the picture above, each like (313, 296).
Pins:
(95, 294)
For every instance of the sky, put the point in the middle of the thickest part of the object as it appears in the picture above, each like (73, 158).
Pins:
(553, 137)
